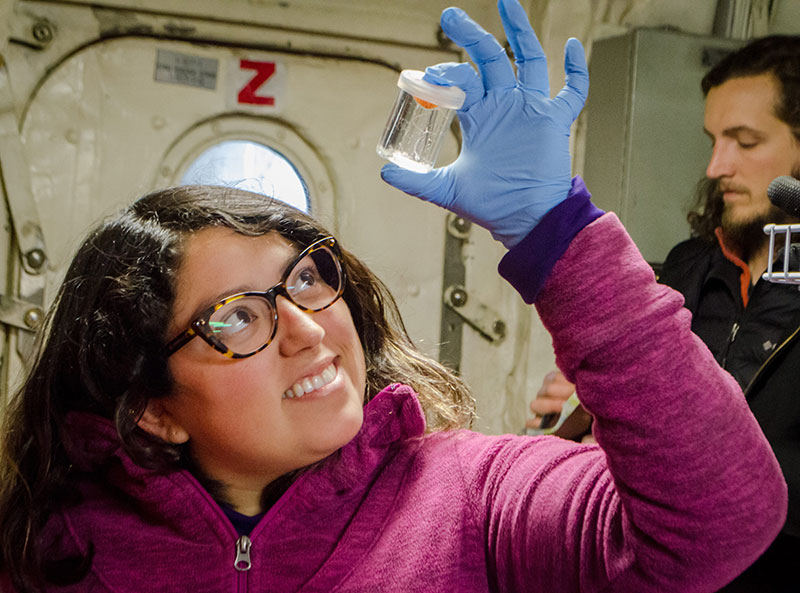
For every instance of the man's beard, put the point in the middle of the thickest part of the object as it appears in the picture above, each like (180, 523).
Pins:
(746, 237)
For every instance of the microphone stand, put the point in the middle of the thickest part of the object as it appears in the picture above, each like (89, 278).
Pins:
(786, 276)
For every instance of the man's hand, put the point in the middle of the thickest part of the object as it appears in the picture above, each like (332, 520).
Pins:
(550, 400)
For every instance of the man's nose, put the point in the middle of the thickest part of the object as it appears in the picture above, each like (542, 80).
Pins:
(721, 163)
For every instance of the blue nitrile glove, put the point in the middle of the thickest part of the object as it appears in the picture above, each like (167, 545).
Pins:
(514, 164)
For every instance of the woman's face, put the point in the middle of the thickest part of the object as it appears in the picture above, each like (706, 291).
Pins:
(242, 428)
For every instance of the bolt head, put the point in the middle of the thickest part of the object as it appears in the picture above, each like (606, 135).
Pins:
(35, 258)
(499, 328)
(42, 32)
(33, 317)
(458, 297)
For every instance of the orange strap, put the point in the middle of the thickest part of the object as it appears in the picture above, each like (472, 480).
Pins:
(744, 279)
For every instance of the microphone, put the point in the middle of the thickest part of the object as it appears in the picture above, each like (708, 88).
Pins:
(784, 192)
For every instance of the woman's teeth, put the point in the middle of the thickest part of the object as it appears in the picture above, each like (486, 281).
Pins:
(310, 384)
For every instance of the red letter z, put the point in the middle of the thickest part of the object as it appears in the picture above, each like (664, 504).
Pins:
(263, 71)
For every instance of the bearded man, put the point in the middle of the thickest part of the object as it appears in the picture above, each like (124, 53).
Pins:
(752, 116)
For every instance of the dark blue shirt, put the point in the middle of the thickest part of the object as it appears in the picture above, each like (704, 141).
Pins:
(242, 523)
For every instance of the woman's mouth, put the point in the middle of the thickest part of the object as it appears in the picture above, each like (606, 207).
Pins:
(311, 384)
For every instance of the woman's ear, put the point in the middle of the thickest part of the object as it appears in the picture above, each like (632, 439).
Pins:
(157, 421)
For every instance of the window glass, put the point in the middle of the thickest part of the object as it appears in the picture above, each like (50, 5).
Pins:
(251, 166)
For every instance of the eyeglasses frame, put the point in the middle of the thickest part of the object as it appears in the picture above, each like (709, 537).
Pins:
(200, 326)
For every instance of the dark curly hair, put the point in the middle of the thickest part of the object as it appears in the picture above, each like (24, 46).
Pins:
(102, 351)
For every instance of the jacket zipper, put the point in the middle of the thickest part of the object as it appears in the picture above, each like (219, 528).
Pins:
(242, 562)
(731, 338)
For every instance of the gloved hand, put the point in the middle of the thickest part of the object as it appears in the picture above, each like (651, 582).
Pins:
(514, 164)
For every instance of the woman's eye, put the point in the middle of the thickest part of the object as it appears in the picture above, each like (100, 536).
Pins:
(308, 277)
(234, 322)
(304, 279)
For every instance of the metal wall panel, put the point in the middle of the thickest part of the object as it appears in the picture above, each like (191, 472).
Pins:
(645, 148)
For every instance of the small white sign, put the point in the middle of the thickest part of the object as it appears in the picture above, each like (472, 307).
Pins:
(178, 68)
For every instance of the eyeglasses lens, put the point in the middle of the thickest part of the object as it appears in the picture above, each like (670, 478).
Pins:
(245, 323)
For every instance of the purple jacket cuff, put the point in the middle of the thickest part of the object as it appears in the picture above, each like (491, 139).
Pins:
(528, 264)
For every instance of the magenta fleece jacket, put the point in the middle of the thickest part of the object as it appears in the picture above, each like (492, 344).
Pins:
(681, 495)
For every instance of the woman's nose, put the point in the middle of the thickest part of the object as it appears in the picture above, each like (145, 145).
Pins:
(297, 330)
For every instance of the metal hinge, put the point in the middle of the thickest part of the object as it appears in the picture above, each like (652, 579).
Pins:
(476, 314)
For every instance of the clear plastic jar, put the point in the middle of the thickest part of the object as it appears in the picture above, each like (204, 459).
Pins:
(420, 117)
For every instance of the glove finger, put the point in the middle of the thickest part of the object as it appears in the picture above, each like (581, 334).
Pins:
(461, 75)
(433, 186)
(528, 53)
(572, 97)
(482, 47)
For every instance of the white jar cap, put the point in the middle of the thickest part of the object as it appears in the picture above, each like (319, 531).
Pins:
(449, 97)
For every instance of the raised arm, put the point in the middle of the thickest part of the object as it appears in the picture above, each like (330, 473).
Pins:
(695, 493)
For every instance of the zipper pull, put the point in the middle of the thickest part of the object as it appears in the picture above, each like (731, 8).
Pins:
(242, 562)
(731, 337)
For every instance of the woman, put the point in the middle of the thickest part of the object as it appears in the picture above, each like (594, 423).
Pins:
(226, 399)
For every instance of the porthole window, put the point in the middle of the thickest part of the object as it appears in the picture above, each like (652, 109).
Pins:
(251, 166)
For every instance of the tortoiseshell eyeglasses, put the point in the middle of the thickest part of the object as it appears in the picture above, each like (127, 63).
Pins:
(244, 324)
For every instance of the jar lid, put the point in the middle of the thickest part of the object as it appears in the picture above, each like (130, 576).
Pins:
(449, 97)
